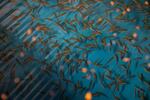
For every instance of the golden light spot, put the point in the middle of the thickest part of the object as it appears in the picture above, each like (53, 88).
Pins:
(34, 38)
(88, 96)
(126, 59)
(99, 19)
(135, 35)
(4, 96)
(128, 9)
(29, 31)
(84, 70)
(146, 3)
(112, 3)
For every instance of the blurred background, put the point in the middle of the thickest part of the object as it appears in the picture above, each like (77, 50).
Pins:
(74, 50)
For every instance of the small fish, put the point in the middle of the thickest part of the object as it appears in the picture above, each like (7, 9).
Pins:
(99, 94)
(1, 75)
(144, 80)
(40, 27)
(67, 81)
(28, 59)
(19, 62)
(6, 56)
(112, 58)
(95, 75)
(17, 17)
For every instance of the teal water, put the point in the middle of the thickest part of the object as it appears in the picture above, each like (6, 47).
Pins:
(72, 30)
